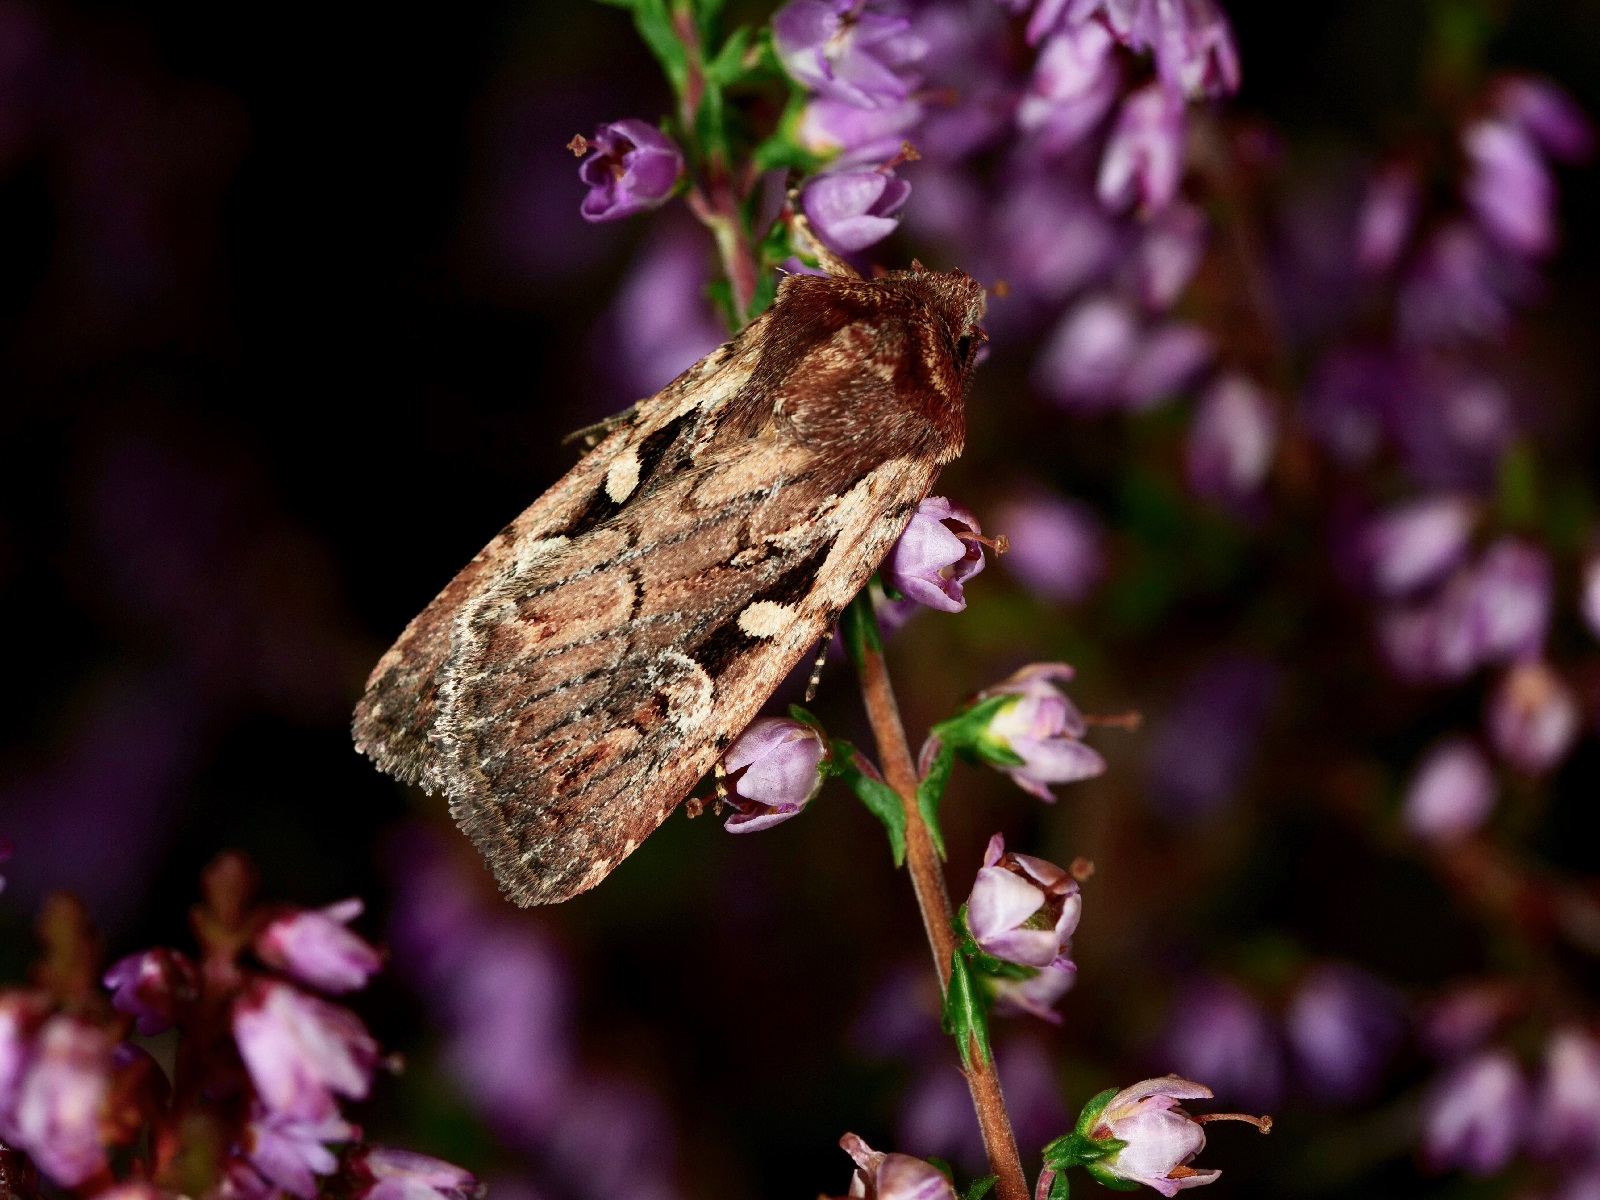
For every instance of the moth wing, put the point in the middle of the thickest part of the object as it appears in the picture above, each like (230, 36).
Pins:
(395, 717)
(587, 693)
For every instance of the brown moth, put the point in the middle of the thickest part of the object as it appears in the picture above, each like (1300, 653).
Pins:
(580, 675)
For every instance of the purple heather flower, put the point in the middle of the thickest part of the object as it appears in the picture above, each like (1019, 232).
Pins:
(1050, 240)
(1023, 909)
(1035, 997)
(1101, 355)
(1193, 46)
(1533, 717)
(1451, 794)
(1457, 288)
(301, 1050)
(1464, 1018)
(61, 1101)
(1168, 254)
(1346, 403)
(1161, 1137)
(292, 1151)
(1202, 748)
(1075, 82)
(151, 986)
(405, 1175)
(20, 1016)
(1546, 114)
(1232, 440)
(316, 946)
(660, 323)
(881, 1176)
(773, 769)
(631, 167)
(851, 210)
(1143, 160)
(854, 136)
(936, 1113)
(1416, 543)
(1172, 354)
(1509, 189)
(1119, 16)
(1566, 1108)
(1219, 1031)
(1043, 728)
(1474, 1115)
(1589, 602)
(1388, 217)
(1343, 1028)
(845, 51)
(1055, 546)
(940, 549)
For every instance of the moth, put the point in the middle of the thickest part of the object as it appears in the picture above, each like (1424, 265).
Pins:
(575, 680)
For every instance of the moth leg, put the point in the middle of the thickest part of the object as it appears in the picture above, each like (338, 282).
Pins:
(590, 435)
(822, 660)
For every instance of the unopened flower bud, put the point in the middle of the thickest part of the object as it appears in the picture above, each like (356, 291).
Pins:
(151, 986)
(939, 550)
(1023, 909)
(316, 946)
(1035, 996)
(293, 1151)
(772, 770)
(1160, 1136)
(61, 1103)
(882, 1176)
(301, 1051)
(632, 166)
(1533, 717)
(405, 1175)
(1033, 736)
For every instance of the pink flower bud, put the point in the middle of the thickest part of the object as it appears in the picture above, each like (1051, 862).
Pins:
(1474, 1115)
(1161, 1137)
(846, 51)
(61, 1102)
(1566, 1110)
(1023, 909)
(1416, 544)
(404, 1175)
(1232, 440)
(1035, 997)
(1042, 727)
(851, 210)
(1143, 161)
(894, 1176)
(301, 1051)
(317, 947)
(1533, 717)
(939, 551)
(151, 986)
(1451, 794)
(773, 769)
(292, 1151)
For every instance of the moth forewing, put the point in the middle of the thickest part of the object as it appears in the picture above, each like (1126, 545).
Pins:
(573, 684)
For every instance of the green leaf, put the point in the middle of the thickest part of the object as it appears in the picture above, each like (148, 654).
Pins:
(1092, 1110)
(654, 23)
(860, 628)
(728, 66)
(706, 15)
(1115, 1182)
(1058, 1187)
(882, 801)
(981, 1187)
(965, 1014)
(930, 790)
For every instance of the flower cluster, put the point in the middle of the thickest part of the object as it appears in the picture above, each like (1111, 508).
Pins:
(95, 1112)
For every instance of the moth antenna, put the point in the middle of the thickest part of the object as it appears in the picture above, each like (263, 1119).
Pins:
(590, 435)
(822, 660)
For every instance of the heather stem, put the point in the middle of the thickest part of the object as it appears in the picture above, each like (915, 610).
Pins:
(927, 881)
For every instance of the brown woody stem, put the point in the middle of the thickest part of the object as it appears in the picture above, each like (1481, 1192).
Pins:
(927, 881)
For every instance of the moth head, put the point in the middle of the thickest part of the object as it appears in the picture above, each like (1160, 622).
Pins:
(960, 302)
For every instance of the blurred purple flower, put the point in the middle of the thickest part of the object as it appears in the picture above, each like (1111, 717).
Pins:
(1023, 909)
(62, 1099)
(1417, 543)
(1035, 997)
(316, 946)
(1509, 189)
(1545, 113)
(1218, 1031)
(21, 1013)
(1533, 717)
(1451, 423)
(151, 986)
(1232, 440)
(843, 50)
(939, 550)
(851, 210)
(1101, 356)
(773, 769)
(1347, 401)
(301, 1050)
(1043, 728)
(1193, 46)
(1055, 546)
(881, 1176)
(613, 1138)
(1451, 794)
(1388, 217)
(1475, 1113)
(406, 1175)
(1168, 254)
(1074, 84)
(1459, 287)
(1143, 160)
(292, 1151)
(631, 167)
(854, 136)
(660, 323)
(1463, 1018)
(936, 1113)
(1202, 749)
(1589, 601)
(1161, 1137)
(1566, 1108)
(1343, 1028)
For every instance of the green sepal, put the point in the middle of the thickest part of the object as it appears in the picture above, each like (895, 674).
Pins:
(706, 15)
(1092, 1110)
(981, 1187)
(1114, 1182)
(806, 717)
(1058, 1187)
(731, 64)
(930, 790)
(945, 1168)
(1076, 1150)
(966, 1016)
(882, 801)
(967, 733)
(981, 960)
(859, 625)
